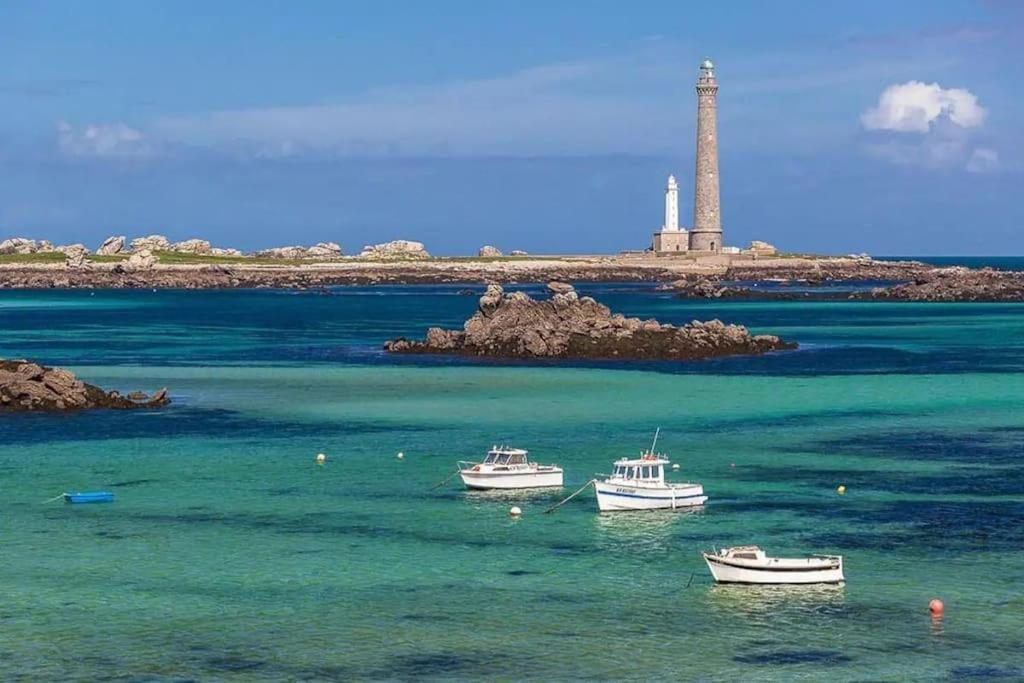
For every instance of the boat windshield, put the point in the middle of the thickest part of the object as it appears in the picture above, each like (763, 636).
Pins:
(645, 472)
(498, 458)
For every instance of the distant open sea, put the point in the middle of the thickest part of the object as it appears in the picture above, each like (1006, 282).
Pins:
(229, 555)
(1000, 262)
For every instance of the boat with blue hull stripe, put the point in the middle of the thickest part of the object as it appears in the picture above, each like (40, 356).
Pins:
(640, 484)
(666, 498)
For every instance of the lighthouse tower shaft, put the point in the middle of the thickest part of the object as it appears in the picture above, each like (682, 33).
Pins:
(671, 205)
(706, 233)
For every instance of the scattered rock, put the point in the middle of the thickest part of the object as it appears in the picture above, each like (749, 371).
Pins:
(142, 259)
(18, 245)
(151, 243)
(560, 287)
(74, 255)
(26, 386)
(193, 246)
(518, 252)
(217, 251)
(324, 250)
(763, 248)
(396, 249)
(567, 325)
(487, 251)
(294, 252)
(111, 246)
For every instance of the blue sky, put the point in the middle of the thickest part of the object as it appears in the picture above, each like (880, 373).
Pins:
(887, 127)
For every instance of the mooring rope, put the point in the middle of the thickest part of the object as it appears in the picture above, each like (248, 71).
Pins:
(574, 494)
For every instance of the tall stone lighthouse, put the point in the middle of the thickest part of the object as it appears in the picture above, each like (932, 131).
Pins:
(706, 233)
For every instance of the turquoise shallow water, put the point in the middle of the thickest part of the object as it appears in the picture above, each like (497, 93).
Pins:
(229, 555)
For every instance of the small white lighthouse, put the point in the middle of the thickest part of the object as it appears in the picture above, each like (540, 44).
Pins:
(670, 238)
(671, 206)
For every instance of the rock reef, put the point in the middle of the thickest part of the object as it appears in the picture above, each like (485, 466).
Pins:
(26, 386)
(957, 284)
(514, 325)
(830, 270)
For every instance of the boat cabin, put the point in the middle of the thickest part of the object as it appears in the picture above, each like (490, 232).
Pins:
(647, 468)
(505, 457)
(744, 552)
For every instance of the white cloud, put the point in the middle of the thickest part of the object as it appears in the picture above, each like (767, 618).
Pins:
(103, 140)
(983, 160)
(913, 107)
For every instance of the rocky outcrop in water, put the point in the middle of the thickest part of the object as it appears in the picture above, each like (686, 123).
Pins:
(26, 386)
(957, 284)
(513, 325)
(487, 251)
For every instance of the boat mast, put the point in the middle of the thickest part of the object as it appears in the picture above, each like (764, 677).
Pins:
(655, 442)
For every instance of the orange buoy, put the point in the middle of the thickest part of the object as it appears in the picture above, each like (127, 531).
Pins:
(936, 607)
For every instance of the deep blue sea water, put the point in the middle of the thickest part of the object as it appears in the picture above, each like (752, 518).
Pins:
(229, 555)
(1000, 262)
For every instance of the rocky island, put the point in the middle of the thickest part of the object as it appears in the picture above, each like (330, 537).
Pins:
(514, 325)
(26, 386)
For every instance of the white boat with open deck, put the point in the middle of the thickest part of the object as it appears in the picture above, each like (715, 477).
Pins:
(639, 484)
(750, 564)
(508, 468)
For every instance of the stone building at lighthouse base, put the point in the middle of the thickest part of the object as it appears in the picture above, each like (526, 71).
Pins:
(671, 242)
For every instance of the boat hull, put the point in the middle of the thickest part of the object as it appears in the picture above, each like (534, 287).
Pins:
(511, 480)
(725, 572)
(619, 497)
(89, 497)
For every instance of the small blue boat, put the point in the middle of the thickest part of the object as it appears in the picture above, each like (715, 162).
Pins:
(89, 497)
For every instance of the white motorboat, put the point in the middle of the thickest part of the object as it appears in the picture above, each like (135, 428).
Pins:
(508, 468)
(750, 564)
(639, 484)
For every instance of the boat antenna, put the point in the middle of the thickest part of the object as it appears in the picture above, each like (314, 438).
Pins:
(655, 442)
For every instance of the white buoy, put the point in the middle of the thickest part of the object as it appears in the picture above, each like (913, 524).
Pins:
(515, 511)
(675, 467)
(321, 458)
(401, 455)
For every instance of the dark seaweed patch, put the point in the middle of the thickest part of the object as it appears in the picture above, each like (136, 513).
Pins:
(974, 481)
(520, 572)
(110, 534)
(440, 664)
(997, 446)
(131, 482)
(177, 421)
(984, 671)
(314, 524)
(230, 663)
(783, 657)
